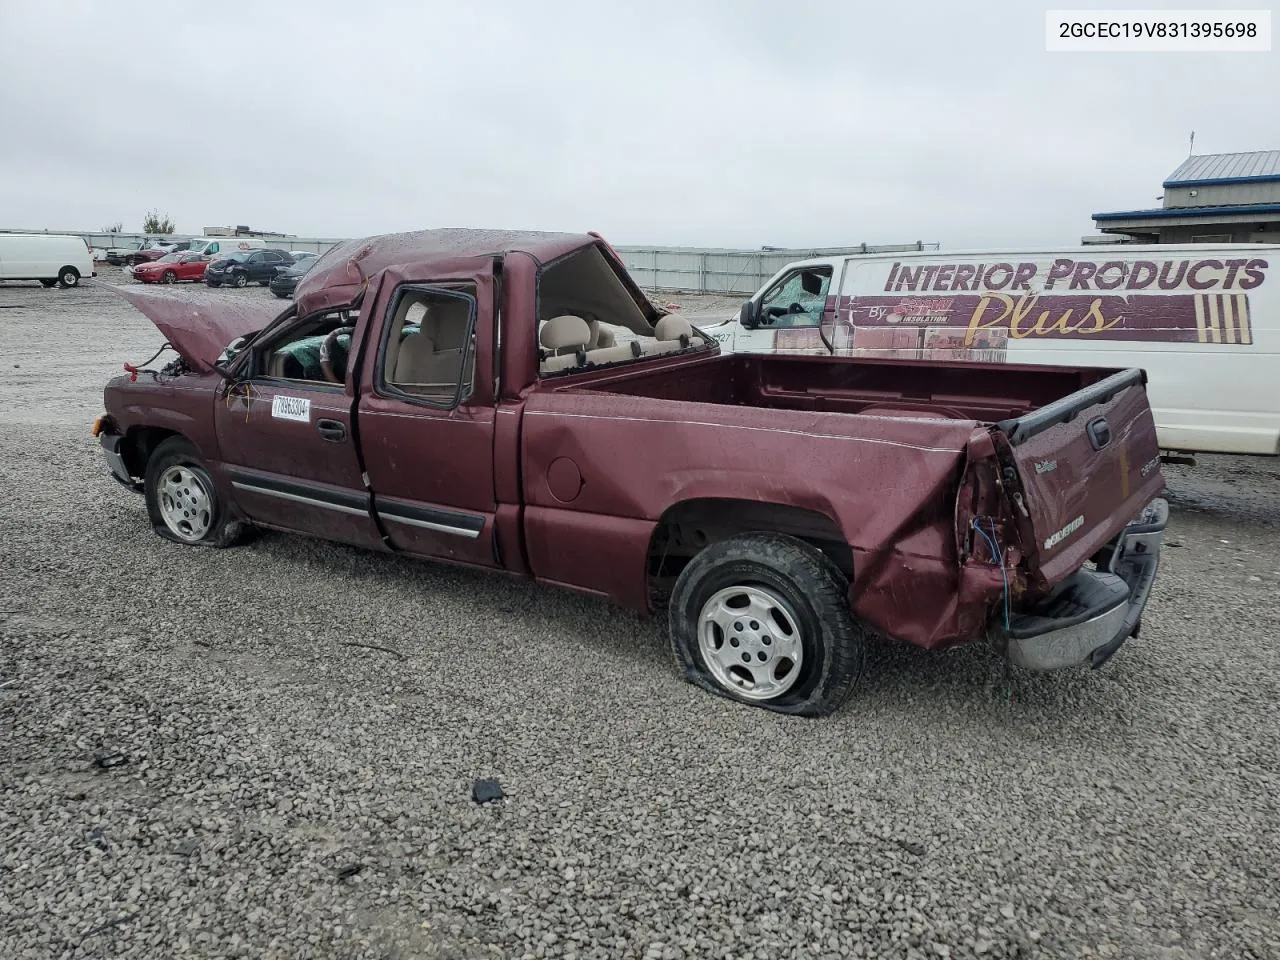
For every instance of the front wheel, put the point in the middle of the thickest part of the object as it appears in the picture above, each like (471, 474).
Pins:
(182, 500)
(241, 280)
(764, 619)
(170, 277)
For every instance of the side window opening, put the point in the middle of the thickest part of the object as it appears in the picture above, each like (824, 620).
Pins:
(796, 300)
(429, 345)
(316, 351)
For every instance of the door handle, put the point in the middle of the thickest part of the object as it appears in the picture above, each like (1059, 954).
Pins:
(332, 430)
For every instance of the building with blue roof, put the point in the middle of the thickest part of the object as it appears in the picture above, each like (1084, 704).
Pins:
(1216, 198)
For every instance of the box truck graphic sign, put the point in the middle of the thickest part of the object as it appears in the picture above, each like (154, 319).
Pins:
(973, 310)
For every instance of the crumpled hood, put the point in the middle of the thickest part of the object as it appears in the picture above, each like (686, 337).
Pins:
(199, 329)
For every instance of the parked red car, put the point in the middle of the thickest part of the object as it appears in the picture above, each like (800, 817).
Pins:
(171, 268)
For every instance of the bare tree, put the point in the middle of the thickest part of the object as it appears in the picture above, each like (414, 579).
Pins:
(116, 227)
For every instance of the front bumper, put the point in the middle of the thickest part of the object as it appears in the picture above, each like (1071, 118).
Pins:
(111, 449)
(1090, 615)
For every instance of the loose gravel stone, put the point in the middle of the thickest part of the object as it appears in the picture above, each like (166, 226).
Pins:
(289, 795)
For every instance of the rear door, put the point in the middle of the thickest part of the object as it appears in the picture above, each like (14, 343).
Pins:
(426, 418)
(1086, 466)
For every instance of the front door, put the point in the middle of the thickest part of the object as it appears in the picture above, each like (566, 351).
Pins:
(427, 419)
(790, 311)
(286, 439)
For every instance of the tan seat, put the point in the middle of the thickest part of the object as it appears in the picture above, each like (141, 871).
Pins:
(564, 337)
(433, 356)
(674, 333)
(615, 354)
(601, 335)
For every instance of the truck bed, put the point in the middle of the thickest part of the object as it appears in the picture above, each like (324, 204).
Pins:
(986, 393)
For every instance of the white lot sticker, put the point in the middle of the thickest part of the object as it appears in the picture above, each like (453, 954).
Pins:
(291, 408)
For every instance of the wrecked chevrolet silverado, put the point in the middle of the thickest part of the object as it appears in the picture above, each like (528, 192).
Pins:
(512, 401)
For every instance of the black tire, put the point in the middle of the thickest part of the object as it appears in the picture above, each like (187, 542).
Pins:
(241, 280)
(169, 277)
(68, 277)
(833, 645)
(221, 530)
(48, 284)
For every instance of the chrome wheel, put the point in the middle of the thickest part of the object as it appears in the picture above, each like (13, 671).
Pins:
(170, 277)
(750, 641)
(185, 503)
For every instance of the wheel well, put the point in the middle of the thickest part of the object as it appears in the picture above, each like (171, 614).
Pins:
(139, 444)
(67, 266)
(686, 528)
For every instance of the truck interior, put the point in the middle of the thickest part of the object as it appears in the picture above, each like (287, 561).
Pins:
(588, 317)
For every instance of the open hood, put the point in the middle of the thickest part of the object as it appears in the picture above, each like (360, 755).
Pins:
(199, 329)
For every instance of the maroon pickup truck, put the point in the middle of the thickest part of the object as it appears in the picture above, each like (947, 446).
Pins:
(512, 401)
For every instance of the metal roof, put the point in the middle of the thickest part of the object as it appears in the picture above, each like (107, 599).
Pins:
(1227, 167)
(1165, 213)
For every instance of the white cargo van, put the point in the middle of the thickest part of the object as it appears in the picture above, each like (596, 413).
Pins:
(1202, 320)
(211, 248)
(48, 257)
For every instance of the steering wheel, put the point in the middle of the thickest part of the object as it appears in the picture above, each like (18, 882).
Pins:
(328, 350)
(795, 308)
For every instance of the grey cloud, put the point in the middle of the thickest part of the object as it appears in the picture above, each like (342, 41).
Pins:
(693, 123)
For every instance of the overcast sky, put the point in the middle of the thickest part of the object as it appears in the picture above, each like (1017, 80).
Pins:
(693, 123)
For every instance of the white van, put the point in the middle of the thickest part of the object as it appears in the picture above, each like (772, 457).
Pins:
(211, 248)
(1202, 319)
(48, 257)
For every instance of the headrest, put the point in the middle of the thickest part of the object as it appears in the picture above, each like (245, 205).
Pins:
(565, 331)
(672, 327)
(417, 310)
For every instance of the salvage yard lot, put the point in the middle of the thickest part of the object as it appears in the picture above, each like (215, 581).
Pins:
(269, 750)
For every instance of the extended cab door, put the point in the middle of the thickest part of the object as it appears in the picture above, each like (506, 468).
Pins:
(426, 417)
(286, 437)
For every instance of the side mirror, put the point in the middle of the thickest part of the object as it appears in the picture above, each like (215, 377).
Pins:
(749, 316)
(811, 283)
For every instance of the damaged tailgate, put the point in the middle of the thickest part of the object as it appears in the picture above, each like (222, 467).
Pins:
(1086, 466)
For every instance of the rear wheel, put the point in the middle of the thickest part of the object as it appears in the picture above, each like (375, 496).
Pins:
(182, 500)
(170, 277)
(68, 276)
(764, 619)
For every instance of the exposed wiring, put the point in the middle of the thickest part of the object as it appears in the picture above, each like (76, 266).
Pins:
(133, 368)
(994, 545)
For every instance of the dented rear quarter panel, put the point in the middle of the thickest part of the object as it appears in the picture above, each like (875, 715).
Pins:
(888, 484)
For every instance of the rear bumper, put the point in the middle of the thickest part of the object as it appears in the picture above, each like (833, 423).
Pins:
(1089, 616)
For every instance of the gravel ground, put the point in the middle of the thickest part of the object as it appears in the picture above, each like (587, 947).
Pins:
(199, 759)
